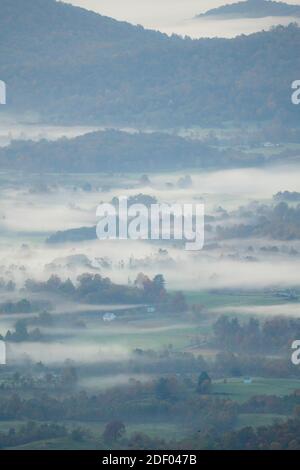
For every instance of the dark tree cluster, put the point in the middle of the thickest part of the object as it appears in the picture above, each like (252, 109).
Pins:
(274, 335)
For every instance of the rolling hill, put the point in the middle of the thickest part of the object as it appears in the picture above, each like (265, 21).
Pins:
(112, 151)
(253, 9)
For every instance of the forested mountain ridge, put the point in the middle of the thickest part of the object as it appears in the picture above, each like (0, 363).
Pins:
(70, 65)
(112, 151)
(254, 9)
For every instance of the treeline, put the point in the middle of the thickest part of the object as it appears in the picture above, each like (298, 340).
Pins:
(271, 404)
(167, 398)
(274, 335)
(241, 364)
(30, 432)
(287, 196)
(21, 334)
(22, 306)
(89, 288)
(281, 222)
(115, 151)
(95, 289)
(279, 436)
(158, 400)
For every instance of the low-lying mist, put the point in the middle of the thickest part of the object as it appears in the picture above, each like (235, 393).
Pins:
(57, 353)
(176, 16)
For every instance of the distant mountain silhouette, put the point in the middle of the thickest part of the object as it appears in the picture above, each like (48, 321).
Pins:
(254, 9)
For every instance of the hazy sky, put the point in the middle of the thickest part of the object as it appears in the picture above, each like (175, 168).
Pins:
(177, 16)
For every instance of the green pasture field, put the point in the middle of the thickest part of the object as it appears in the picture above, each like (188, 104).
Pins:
(235, 388)
(213, 299)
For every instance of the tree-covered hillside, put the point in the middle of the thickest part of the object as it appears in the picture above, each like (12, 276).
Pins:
(113, 151)
(71, 65)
